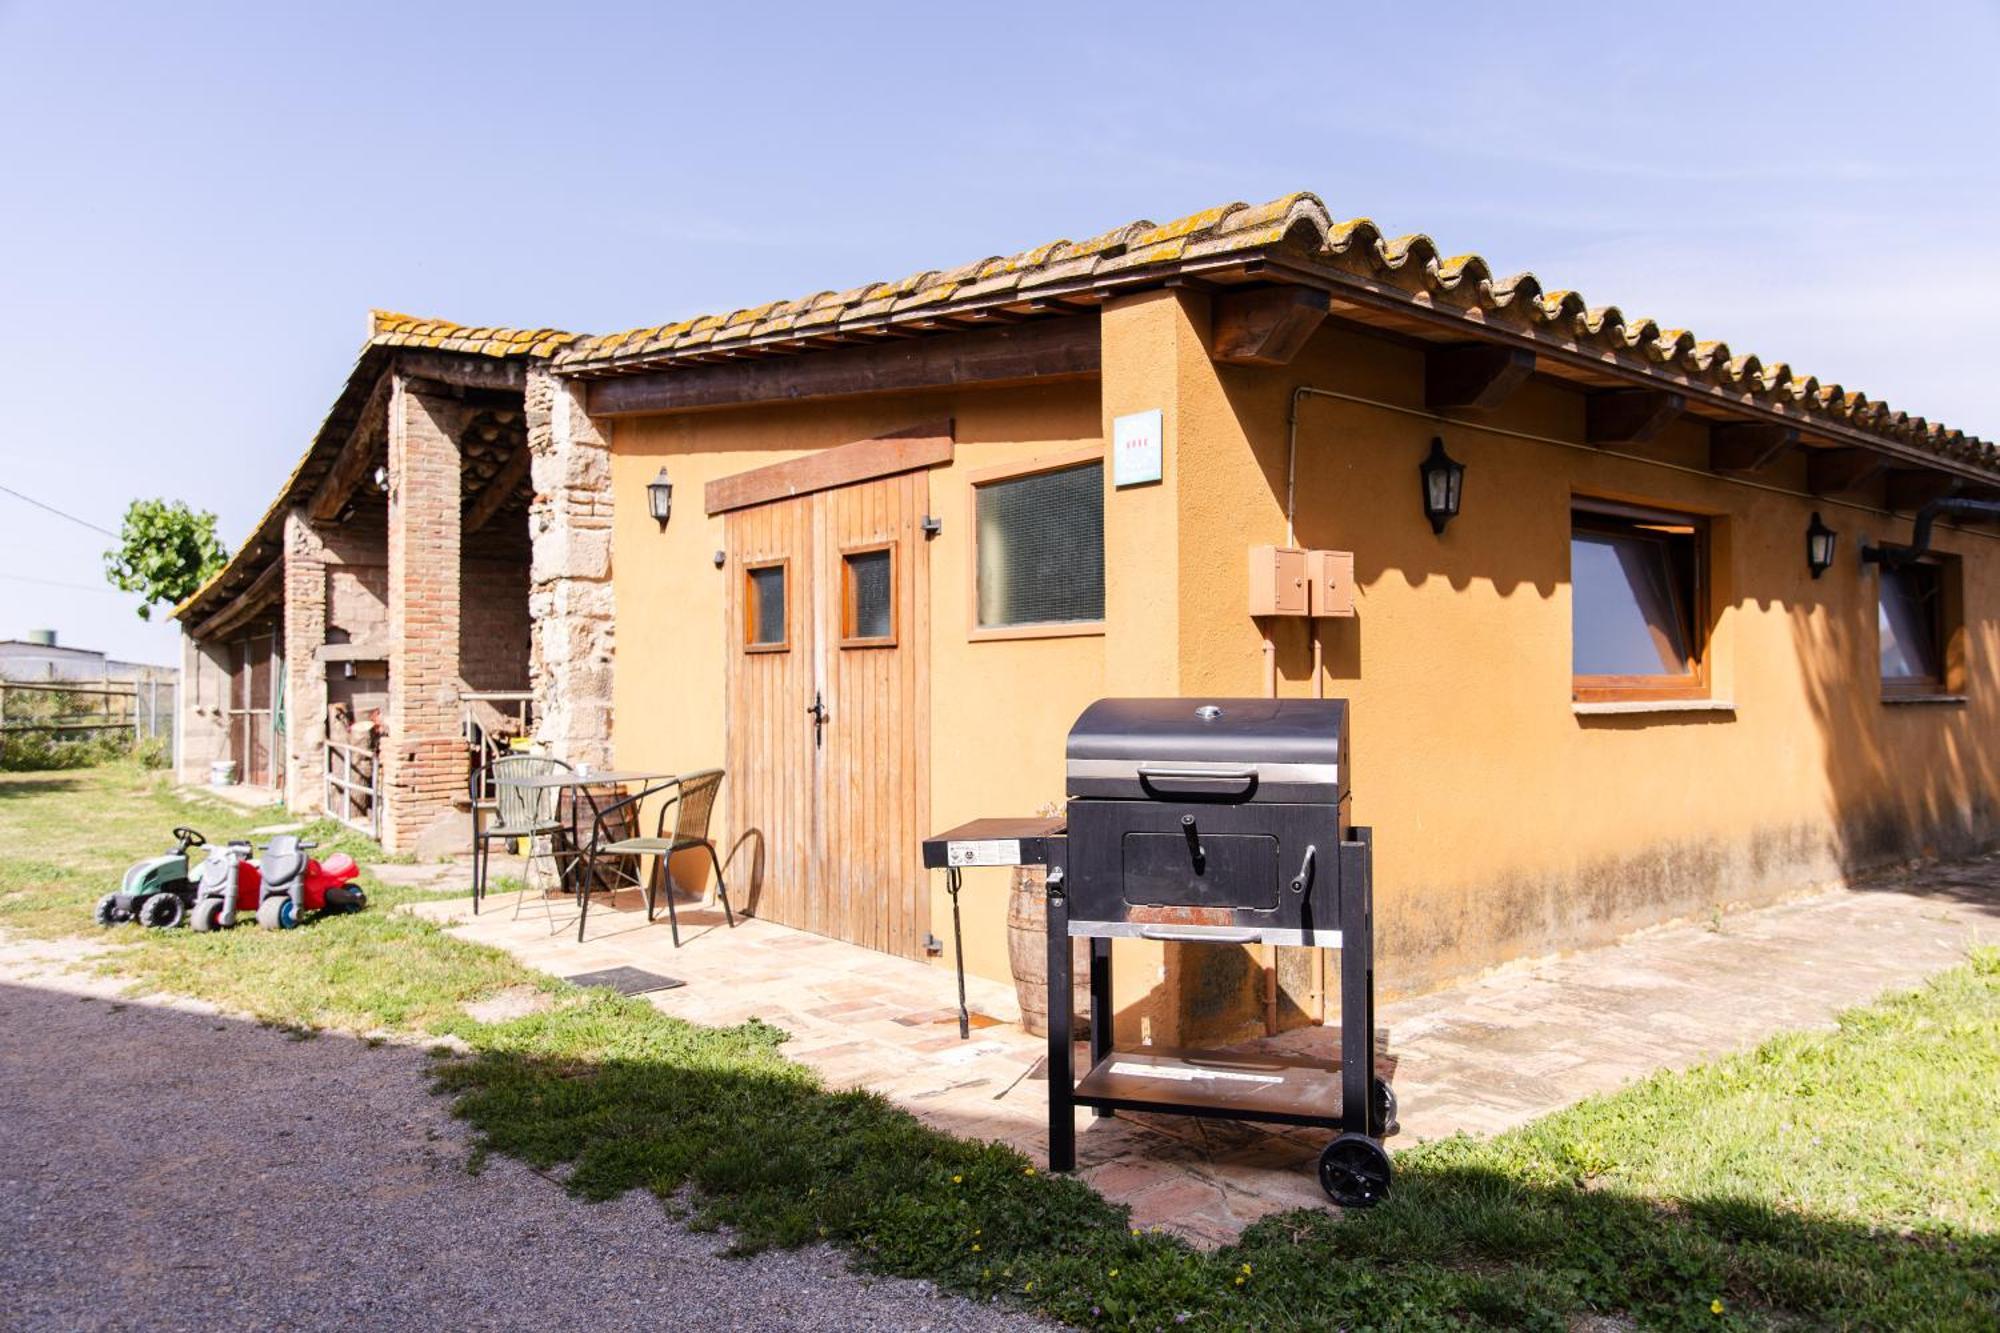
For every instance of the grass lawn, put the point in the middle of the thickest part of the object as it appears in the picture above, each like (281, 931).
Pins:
(1838, 1179)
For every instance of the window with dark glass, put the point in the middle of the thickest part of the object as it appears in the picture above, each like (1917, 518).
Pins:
(764, 606)
(1041, 548)
(1911, 618)
(1637, 587)
(868, 598)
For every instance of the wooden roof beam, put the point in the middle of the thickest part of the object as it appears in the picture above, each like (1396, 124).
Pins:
(493, 496)
(1474, 377)
(1053, 349)
(1742, 448)
(1629, 416)
(1843, 471)
(1915, 487)
(1267, 326)
(246, 604)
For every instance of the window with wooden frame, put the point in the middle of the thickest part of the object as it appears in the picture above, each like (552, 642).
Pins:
(1038, 548)
(1638, 603)
(868, 596)
(765, 622)
(1917, 616)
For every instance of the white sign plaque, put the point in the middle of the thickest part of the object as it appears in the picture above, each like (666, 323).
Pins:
(1135, 448)
(984, 852)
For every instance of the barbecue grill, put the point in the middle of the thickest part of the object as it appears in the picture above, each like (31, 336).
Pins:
(1209, 822)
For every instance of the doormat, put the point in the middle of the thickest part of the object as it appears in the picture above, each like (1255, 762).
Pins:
(626, 980)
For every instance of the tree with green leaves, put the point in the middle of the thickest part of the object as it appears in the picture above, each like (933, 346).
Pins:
(165, 551)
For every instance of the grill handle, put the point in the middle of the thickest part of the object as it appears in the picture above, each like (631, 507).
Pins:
(1244, 778)
(1199, 935)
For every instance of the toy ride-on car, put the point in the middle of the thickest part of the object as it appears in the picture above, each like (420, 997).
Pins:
(228, 883)
(295, 884)
(155, 892)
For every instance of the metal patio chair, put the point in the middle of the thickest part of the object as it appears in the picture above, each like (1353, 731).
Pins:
(691, 804)
(515, 812)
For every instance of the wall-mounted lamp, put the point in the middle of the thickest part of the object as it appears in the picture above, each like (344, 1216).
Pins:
(1444, 481)
(1820, 541)
(382, 479)
(660, 499)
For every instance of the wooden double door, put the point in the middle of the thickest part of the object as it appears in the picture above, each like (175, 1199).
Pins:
(828, 721)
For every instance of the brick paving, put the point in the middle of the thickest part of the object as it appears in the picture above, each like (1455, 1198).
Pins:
(1481, 1056)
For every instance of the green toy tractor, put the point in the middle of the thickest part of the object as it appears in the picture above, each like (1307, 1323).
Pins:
(157, 891)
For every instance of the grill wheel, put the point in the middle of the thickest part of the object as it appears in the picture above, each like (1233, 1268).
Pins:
(1354, 1171)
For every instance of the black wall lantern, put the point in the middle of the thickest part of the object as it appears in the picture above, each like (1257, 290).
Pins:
(1444, 480)
(660, 498)
(1820, 540)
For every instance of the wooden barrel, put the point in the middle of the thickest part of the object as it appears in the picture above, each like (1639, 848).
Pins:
(1028, 956)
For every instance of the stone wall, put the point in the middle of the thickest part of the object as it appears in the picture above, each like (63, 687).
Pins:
(304, 739)
(570, 598)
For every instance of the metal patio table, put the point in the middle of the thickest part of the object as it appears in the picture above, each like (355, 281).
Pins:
(647, 782)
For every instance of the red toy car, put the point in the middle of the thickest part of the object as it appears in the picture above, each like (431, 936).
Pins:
(295, 884)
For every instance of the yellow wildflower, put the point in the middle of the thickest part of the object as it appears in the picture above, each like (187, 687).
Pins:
(1715, 1306)
(1029, 1171)
(958, 1180)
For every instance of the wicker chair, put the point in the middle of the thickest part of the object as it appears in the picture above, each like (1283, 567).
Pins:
(516, 811)
(691, 805)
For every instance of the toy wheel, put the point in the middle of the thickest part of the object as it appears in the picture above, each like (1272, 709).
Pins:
(109, 913)
(275, 914)
(1385, 1108)
(207, 916)
(162, 911)
(1354, 1171)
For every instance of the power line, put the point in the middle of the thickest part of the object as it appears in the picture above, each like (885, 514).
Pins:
(57, 512)
(57, 583)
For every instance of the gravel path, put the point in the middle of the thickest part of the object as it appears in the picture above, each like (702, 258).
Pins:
(168, 1169)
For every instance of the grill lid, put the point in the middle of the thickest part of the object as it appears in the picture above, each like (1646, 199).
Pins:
(1216, 749)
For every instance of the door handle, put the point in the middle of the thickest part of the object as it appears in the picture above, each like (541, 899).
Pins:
(817, 709)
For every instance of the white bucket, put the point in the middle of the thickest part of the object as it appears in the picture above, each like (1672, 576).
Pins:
(222, 773)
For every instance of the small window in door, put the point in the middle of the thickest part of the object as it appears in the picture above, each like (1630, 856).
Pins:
(764, 607)
(868, 597)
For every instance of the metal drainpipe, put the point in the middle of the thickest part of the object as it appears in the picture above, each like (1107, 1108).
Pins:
(1896, 557)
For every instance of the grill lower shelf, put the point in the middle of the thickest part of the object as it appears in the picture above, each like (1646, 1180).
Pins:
(1283, 1089)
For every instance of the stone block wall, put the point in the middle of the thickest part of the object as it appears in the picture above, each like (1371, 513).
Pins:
(570, 599)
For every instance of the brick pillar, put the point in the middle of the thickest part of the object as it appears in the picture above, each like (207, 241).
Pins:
(424, 754)
(305, 674)
(569, 598)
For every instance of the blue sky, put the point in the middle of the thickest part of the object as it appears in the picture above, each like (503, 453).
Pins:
(200, 202)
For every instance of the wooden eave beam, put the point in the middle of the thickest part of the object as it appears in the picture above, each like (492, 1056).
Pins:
(245, 605)
(1915, 487)
(1630, 416)
(350, 465)
(1843, 471)
(1474, 377)
(1742, 448)
(1267, 326)
(1361, 297)
(493, 496)
(465, 370)
(1055, 349)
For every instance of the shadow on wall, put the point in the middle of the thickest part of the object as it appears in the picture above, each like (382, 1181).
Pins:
(1905, 781)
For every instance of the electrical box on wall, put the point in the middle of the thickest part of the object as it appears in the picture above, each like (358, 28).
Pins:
(1277, 581)
(1330, 582)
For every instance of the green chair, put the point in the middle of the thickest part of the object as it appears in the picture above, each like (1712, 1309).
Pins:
(514, 812)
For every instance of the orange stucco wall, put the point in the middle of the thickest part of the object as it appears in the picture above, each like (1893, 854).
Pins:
(994, 704)
(1507, 823)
